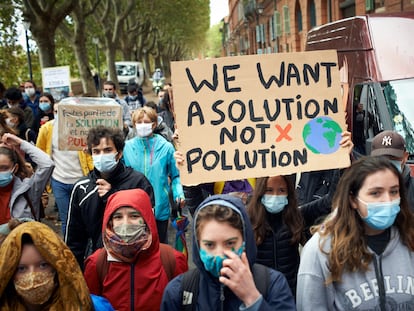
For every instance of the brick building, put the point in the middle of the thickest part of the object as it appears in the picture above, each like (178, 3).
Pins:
(272, 26)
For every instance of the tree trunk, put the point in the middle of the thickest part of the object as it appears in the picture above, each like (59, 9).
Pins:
(45, 40)
(81, 53)
(110, 59)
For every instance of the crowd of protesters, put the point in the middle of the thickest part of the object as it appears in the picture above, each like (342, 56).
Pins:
(256, 245)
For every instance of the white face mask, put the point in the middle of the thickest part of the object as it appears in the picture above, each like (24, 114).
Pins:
(10, 122)
(30, 91)
(143, 129)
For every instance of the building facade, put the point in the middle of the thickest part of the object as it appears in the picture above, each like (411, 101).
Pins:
(273, 26)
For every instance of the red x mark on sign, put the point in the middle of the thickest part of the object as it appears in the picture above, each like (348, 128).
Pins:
(283, 132)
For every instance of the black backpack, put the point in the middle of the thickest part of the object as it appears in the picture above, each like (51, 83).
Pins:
(191, 280)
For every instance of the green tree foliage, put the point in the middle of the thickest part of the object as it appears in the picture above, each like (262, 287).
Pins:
(11, 53)
(153, 31)
(214, 39)
(44, 17)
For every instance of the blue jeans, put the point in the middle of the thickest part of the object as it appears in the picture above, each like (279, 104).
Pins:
(62, 193)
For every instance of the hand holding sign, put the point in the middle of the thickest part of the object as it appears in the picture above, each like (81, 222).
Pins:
(259, 113)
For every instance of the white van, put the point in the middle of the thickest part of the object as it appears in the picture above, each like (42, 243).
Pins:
(129, 72)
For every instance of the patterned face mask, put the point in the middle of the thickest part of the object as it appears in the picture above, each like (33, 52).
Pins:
(126, 251)
(131, 232)
(35, 287)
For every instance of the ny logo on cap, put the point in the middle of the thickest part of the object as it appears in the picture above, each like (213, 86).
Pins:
(386, 141)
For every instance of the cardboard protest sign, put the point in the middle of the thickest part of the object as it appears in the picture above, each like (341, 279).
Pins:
(76, 115)
(56, 81)
(258, 115)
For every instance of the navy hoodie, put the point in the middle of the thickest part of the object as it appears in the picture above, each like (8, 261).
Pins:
(278, 296)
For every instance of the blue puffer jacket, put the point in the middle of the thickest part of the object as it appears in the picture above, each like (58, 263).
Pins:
(278, 296)
(154, 157)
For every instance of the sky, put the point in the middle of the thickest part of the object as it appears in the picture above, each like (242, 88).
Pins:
(218, 10)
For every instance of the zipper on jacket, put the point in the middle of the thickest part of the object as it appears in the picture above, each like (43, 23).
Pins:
(222, 298)
(132, 285)
(275, 252)
(380, 281)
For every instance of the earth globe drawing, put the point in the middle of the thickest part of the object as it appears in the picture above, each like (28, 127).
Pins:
(322, 135)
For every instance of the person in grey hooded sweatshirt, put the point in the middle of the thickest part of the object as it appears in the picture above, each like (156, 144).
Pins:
(362, 256)
(20, 189)
(224, 252)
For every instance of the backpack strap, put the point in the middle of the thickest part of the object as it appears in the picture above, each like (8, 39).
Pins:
(29, 202)
(27, 134)
(189, 288)
(102, 266)
(168, 260)
(261, 277)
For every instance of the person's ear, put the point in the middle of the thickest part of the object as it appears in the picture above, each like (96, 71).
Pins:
(353, 201)
(119, 155)
(405, 157)
(15, 168)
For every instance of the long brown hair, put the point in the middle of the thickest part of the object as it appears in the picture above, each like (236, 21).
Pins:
(16, 158)
(291, 213)
(4, 128)
(346, 228)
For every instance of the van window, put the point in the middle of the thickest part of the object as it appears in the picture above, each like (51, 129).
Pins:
(388, 106)
(126, 70)
(399, 97)
(366, 117)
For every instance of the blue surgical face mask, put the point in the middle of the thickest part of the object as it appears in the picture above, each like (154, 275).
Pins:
(6, 178)
(381, 215)
(105, 163)
(397, 164)
(213, 264)
(44, 106)
(274, 203)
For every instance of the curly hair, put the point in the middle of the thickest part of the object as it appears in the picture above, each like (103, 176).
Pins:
(220, 214)
(96, 134)
(292, 216)
(346, 228)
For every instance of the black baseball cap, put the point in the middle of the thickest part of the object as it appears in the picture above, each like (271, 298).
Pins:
(388, 143)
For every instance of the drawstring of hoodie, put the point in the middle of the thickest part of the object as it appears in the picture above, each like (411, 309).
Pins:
(380, 282)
